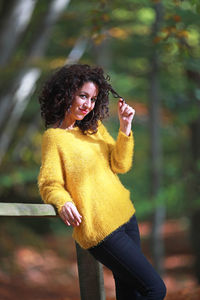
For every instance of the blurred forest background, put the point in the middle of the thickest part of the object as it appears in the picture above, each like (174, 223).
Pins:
(151, 50)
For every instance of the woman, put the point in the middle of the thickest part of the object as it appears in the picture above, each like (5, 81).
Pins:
(80, 162)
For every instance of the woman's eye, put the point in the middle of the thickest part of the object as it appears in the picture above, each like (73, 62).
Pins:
(94, 99)
(83, 96)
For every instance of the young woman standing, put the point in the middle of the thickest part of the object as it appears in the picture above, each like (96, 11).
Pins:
(80, 162)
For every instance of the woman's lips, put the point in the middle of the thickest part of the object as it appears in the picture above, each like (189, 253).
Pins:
(83, 111)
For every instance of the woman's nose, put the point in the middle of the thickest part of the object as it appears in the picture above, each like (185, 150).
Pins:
(88, 103)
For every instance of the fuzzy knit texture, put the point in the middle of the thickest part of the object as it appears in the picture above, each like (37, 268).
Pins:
(83, 169)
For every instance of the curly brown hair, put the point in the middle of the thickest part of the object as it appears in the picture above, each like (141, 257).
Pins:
(58, 93)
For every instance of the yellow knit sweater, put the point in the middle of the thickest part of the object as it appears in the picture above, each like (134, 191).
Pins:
(82, 169)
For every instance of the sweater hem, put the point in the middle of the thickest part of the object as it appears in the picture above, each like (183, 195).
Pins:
(83, 245)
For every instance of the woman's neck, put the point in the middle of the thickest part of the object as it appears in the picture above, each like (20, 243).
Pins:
(67, 124)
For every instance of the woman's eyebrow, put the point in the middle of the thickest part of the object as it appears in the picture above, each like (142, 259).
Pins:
(84, 92)
(87, 93)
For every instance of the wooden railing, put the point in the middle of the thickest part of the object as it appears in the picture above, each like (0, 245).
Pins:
(89, 270)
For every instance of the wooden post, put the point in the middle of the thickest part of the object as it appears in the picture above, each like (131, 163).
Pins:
(90, 276)
(89, 270)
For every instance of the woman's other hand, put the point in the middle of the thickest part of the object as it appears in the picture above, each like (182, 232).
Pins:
(70, 215)
(126, 114)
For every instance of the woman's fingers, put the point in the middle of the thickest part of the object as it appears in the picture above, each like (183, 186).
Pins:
(129, 110)
(125, 114)
(76, 214)
(122, 105)
(70, 214)
(125, 109)
(65, 221)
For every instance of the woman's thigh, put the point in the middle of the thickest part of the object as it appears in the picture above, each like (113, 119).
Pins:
(120, 253)
(132, 230)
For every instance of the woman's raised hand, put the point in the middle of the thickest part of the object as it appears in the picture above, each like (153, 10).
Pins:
(70, 215)
(126, 114)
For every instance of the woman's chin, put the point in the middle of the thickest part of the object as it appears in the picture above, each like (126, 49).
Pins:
(79, 118)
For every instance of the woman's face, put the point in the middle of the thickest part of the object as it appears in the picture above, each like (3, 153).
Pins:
(84, 101)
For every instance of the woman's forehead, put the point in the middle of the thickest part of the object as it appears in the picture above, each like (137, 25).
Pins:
(89, 87)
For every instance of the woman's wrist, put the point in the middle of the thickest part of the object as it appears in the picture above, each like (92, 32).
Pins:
(126, 129)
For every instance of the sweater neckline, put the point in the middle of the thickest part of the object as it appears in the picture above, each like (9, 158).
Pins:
(66, 130)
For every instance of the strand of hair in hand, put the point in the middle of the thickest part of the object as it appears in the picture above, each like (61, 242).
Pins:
(116, 95)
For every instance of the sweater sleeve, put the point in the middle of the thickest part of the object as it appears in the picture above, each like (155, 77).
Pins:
(121, 150)
(51, 181)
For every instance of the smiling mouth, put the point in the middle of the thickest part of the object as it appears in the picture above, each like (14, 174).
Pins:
(83, 111)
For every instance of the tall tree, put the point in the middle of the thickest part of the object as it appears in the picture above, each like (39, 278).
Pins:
(194, 168)
(12, 25)
(155, 146)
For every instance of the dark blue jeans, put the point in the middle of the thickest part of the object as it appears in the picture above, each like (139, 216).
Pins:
(134, 276)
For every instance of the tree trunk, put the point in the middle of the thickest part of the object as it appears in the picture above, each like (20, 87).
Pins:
(156, 151)
(78, 50)
(102, 52)
(38, 46)
(13, 25)
(193, 183)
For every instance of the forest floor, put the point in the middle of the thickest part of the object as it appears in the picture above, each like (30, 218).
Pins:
(51, 274)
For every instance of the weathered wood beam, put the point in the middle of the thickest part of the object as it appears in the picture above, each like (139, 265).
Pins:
(26, 209)
(90, 276)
